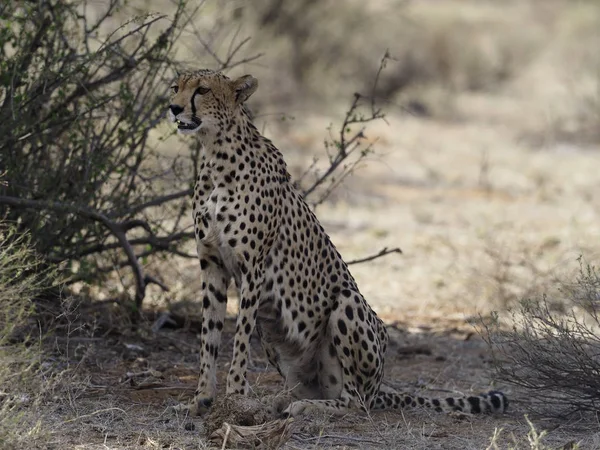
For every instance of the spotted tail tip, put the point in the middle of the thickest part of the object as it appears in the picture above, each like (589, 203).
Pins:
(498, 401)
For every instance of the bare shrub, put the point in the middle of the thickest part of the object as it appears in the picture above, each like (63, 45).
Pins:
(553, 352)
(75, 115)
(345, 147)
(78, 103)
(309, 30)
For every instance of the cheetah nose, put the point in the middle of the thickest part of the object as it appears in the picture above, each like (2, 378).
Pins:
(176, 109)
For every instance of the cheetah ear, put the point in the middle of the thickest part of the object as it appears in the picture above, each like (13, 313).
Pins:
(244, 87)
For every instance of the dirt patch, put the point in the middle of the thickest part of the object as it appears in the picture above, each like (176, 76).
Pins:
(119, 392)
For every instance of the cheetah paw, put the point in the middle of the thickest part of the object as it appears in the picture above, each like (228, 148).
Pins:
(197, 407)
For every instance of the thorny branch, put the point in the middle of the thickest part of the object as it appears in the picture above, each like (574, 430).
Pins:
(349, 152)
(345, 146)
(346, 143)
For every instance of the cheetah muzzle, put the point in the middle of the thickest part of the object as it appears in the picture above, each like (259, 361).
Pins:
(188, 126)
(254, 227)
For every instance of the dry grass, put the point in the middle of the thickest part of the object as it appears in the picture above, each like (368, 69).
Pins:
(119, 391)
(23, 380)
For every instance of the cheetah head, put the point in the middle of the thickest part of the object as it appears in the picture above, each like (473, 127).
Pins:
(205, 101)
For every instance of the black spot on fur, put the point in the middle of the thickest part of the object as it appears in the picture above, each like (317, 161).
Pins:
(349, 312)
(475, 403)
(342, 327)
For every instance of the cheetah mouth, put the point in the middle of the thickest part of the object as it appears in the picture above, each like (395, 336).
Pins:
(188, 126)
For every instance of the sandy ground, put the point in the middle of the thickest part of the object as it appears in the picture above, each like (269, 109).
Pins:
(121, 394)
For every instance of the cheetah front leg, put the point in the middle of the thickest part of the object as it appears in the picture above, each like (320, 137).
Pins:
(213, 294)
(249, 301)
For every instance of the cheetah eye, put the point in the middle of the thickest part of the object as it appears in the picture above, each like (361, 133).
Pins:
(175, 89)
(202, 90)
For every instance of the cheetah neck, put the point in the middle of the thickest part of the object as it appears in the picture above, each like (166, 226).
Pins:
(241, 142)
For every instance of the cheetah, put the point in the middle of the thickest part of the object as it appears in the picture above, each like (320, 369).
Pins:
(253, 225)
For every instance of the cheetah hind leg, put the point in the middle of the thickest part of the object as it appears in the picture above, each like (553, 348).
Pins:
(491, 403)
(347, 375)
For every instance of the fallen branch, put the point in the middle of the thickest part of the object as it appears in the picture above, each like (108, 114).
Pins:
(95, 413)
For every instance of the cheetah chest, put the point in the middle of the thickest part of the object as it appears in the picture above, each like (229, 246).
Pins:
(213, 235)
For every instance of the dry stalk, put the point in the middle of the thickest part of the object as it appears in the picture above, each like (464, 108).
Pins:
(270, 435)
